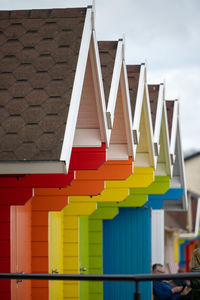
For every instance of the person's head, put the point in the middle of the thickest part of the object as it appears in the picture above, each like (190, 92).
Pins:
(195, 262)
(158, 268)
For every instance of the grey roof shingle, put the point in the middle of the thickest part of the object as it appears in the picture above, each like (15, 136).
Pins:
(153, 98)
(133, 72)
(38, 57)
(170, 111)
(107, 53)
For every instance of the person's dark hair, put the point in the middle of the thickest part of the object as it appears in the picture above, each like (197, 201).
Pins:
(154, 267)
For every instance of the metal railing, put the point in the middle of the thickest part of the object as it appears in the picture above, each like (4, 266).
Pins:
(105, 277)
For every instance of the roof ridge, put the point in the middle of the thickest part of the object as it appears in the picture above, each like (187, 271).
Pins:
(43, 13)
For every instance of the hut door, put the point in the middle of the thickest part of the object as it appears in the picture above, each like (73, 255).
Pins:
(21, 250)
(127, 250)
(55, 254)
(83, 258)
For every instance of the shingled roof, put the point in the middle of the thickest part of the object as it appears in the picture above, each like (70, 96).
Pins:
(133, 72)
(153, 97)
(170, 110)
(38, 57)
(107, 53)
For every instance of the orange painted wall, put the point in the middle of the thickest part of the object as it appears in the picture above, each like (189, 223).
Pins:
(21, 249)
(110, 170)
(5, 289)
(41, 205)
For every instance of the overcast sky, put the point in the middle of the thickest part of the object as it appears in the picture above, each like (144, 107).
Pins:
(164, 34)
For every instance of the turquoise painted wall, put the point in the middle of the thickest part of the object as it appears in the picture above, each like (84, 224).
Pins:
(127, 250)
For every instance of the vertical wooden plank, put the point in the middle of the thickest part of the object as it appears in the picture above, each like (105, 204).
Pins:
(39, 260)
(95, 256)
(5, 266)
(56, 254)
(21, 249)
(83, 256)
(71, 253)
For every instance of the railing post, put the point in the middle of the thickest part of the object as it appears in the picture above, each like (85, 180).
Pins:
(137, 293)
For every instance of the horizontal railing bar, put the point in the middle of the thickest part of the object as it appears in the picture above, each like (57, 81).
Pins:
(99, 277)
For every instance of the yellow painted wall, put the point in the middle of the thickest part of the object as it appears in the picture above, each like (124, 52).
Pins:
(55, 254)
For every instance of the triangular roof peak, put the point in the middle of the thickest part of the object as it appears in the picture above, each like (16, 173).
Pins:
(117, 99)
(141, 116)
(176, 153)
(160, 129)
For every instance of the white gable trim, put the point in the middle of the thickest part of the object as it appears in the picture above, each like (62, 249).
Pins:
(179, 181)
(115, 81)
(174, 131)
(158, 119)
(181, 165)
(167, 146)
(149, 127)
(161, 124)
(77, 90)
(99, 90)
(138, 105)
(127, 109)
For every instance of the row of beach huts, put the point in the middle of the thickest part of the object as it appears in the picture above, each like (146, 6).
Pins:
(92, 175)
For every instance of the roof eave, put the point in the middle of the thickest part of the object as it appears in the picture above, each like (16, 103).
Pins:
(32, 167)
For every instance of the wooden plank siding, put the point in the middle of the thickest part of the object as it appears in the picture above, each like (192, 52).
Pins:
(127, 250)
(40, 261)
(21, 249)
(71, 246)
(8, 197)
(5, 265)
